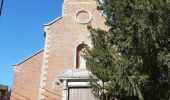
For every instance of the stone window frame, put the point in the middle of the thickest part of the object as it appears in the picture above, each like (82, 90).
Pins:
(86, 21)
(75, 51)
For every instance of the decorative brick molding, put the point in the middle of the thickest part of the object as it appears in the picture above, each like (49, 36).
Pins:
(86, 41)
(44, 64)
(87, 20)
(64, 10)
(16, 68)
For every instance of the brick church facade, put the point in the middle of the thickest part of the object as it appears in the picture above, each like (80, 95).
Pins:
(58, 72)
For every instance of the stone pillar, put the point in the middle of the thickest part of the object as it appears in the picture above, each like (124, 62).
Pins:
(65, 90)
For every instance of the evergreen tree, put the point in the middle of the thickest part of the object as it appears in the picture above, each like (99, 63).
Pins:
(132, 58)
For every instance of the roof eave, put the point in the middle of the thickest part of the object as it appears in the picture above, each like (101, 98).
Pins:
(55, 20)
(28, 57)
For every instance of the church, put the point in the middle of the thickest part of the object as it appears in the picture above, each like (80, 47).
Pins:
(58, 72)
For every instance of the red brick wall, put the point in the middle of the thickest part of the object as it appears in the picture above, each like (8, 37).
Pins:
(63, 37)
(27, 79)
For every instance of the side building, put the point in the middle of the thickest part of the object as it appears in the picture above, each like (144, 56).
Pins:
(58, 72)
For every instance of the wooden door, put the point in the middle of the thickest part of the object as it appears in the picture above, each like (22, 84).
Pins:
(81, 94)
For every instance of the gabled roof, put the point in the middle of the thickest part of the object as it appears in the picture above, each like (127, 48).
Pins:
(29, 57)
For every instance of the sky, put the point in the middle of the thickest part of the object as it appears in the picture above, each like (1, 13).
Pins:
(21, 31)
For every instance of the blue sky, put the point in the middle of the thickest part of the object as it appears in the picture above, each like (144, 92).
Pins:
(21, 31)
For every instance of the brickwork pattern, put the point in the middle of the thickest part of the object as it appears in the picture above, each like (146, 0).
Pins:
(44, 65)
(65, 34)
(37, 78)
(27, 78)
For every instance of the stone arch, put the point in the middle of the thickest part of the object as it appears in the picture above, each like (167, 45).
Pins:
(79, 62)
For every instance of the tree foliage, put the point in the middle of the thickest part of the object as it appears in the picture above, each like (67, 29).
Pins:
(133, 56)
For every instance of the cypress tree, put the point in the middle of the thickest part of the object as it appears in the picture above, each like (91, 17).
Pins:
(132, 57)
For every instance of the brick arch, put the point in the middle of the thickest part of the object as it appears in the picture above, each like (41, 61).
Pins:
(77, 48)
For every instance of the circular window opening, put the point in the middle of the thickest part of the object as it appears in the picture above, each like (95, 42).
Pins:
(83, 17)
